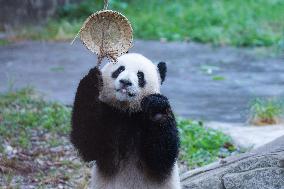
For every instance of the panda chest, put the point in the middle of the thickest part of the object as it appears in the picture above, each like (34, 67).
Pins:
(122, 133)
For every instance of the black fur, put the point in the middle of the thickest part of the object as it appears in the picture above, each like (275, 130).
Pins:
(116, 73)
(108, 135)
(141, 79)
(125, 82)
(162, 67)
(159, 141)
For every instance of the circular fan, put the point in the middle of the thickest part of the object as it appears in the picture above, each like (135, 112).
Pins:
(107, 33)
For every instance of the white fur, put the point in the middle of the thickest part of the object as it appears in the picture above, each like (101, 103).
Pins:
(133, 63)
(130, 177)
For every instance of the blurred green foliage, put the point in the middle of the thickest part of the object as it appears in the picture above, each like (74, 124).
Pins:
(220, 22)
(4, 42)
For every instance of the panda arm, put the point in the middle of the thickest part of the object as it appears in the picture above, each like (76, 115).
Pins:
(160, 140)
(86, 115)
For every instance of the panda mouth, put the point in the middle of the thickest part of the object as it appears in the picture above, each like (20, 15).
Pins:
(124, 91)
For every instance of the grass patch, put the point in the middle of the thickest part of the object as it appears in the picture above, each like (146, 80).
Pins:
(220, 22)
(4, 42)
(266, 111)
(57, 69)
(200, 145)
(35, 150)
(22, 112)
(218, 78)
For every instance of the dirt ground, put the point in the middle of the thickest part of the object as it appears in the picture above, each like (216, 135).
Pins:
(42, 166)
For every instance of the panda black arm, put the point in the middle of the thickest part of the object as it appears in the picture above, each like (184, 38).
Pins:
(159, 140)
(86, 115)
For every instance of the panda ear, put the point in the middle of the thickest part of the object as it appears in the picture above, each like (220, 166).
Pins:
(162, 67)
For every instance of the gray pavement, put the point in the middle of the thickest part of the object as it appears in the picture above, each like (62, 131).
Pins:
(205, 83)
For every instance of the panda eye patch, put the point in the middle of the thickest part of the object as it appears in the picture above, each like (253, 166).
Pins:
(116, 73)
(141, 79)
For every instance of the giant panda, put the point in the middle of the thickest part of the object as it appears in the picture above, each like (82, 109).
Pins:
(121, 121)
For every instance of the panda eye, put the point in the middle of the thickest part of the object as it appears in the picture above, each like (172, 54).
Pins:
(141, 79)
(116, 73)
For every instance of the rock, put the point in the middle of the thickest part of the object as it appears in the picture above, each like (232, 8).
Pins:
(10, 151)
(261, 168)
(259, 178)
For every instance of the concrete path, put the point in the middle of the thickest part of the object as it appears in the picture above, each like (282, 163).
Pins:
(249, 137)
(205, 83)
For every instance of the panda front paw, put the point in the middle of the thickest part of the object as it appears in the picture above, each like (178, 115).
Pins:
(156, 107)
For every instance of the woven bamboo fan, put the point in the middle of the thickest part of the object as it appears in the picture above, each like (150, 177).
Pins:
(107, 33)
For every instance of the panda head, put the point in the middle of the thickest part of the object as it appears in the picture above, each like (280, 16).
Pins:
(133, 77)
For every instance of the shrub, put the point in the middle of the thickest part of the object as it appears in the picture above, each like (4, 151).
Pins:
(266, 111)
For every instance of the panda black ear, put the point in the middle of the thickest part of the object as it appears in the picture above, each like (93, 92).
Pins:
(162, 67)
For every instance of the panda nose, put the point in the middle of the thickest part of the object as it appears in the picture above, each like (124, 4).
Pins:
(125, 82)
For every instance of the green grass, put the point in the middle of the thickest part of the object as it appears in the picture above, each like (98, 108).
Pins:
(218, 78)
(22, 113)
(200, 145)
(4, 42)
(220, 22)
(266, 111)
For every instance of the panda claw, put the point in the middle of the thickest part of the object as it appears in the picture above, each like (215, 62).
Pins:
(158, 117)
